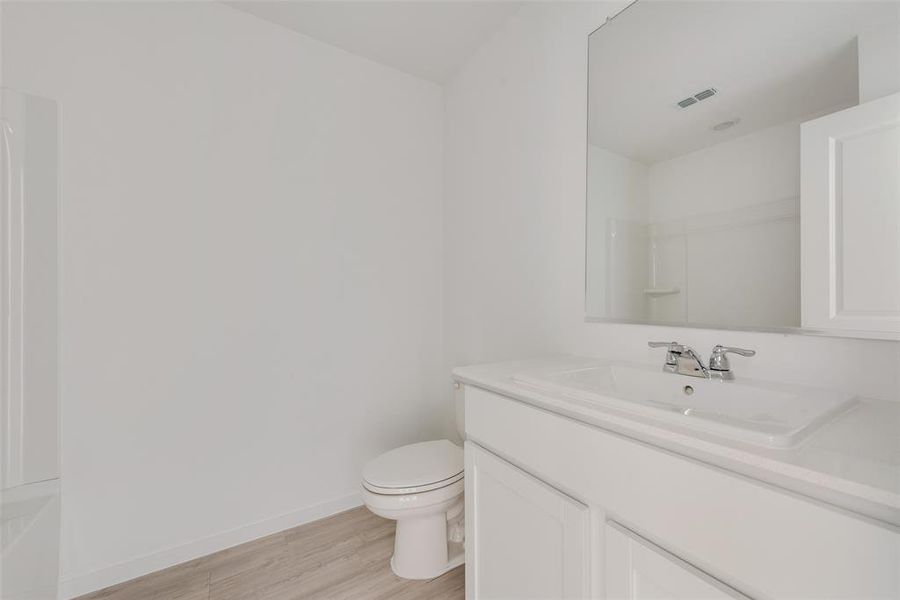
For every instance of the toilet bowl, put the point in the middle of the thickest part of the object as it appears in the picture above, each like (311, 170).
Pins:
(421, 487)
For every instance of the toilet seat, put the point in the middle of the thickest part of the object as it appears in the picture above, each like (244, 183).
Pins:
(394, 506)
(386, 491)
(415, 468)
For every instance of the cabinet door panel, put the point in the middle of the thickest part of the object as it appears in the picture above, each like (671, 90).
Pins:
(637, 570)
(524, 539)
(850, 218)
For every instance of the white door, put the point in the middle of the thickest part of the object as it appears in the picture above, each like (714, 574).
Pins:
(635, 569)
(850, 220)
(524, 539)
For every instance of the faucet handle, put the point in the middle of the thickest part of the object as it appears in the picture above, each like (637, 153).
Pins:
(672, 346)
(674, 349)
(718, 360)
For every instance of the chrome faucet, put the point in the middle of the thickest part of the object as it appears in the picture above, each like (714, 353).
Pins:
(684, 360)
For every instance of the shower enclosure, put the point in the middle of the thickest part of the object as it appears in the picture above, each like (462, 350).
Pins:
(29, 324)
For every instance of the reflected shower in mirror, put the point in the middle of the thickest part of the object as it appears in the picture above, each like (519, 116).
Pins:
(695, 108)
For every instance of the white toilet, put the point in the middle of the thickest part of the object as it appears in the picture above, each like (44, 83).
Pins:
(421, 487)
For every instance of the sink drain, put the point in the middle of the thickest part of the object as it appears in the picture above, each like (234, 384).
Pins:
(688, 390)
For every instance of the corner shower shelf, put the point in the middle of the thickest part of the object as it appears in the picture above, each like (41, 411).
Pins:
(657, 292)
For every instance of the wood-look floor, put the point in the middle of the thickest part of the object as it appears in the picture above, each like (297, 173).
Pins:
(342, 557)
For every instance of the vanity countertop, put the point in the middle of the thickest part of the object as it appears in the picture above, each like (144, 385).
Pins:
(852, 462)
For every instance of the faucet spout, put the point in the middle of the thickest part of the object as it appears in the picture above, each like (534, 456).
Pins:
(689, 363)
(682, 359)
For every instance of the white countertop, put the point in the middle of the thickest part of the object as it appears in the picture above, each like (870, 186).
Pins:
(852, 462)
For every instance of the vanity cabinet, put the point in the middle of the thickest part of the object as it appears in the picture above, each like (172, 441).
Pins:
(510, 510)
(558, 508)
(636, 569)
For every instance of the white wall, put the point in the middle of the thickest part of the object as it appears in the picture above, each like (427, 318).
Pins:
(879, 62)
(515, 216)
(252, 279)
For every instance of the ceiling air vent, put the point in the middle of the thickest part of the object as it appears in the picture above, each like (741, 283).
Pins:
(707, 93)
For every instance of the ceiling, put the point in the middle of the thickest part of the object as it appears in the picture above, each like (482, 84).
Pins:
(771, 62)
(425, 38)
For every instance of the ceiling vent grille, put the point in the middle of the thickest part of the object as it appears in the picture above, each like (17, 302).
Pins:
(707, 93)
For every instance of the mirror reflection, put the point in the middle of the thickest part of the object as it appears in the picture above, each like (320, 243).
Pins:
(694, 151)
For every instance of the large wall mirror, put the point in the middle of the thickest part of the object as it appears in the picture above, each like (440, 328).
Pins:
(694, 155)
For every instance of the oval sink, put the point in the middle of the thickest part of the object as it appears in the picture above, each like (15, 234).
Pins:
(762, 413)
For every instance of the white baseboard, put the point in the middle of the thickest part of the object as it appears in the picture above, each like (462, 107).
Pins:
(124, 571)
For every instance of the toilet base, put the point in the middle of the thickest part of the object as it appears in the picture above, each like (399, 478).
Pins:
(424, 546)
(457, 556)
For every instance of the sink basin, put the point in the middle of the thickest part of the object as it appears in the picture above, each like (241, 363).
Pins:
(761, 413)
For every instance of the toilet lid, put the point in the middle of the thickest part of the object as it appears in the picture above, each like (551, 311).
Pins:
(415, 465)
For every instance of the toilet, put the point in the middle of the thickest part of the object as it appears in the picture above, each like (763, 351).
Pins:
(421, 487)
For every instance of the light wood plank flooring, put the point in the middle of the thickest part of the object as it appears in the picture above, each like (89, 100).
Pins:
(345, 556)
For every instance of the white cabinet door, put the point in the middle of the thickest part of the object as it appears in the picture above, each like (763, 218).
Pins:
(524, 539)
(850, 220)
(638, 570)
